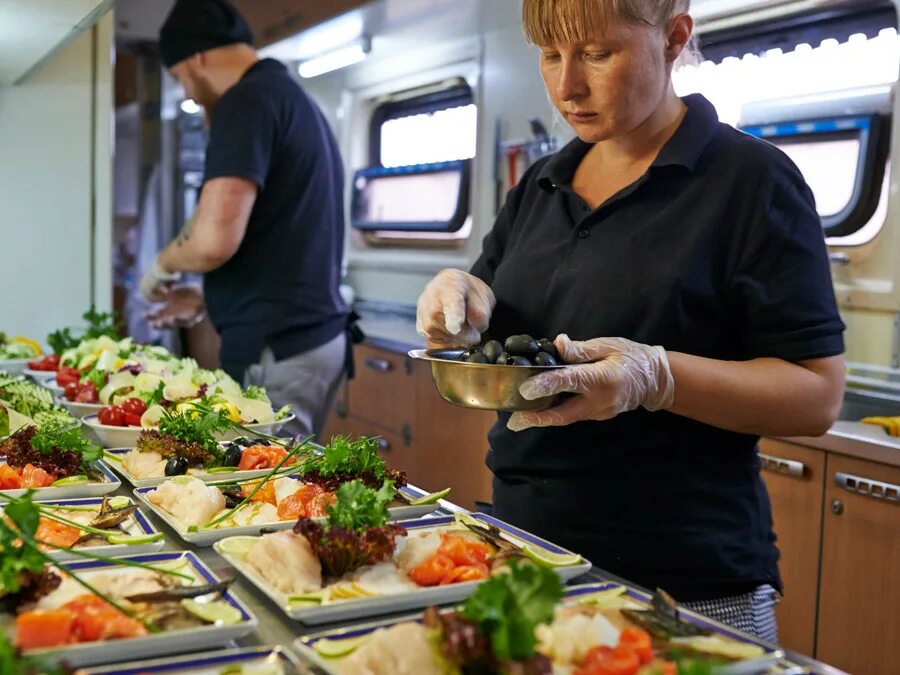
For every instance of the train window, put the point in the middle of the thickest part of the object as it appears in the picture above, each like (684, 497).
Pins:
(827, 106)
(421, 145)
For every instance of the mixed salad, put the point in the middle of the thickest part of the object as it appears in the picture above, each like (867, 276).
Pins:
(24, 403)
(15, 348)
(98, 324)
(54, 453)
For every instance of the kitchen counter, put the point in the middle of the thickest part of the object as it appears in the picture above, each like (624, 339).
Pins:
(855, 439)
(390, 327)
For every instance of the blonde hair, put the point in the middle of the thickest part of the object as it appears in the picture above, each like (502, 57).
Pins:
(572, 21)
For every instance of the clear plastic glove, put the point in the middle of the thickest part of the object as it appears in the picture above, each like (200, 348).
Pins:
(182, 307)
(155, 281)
(454, 309)
(614, 375)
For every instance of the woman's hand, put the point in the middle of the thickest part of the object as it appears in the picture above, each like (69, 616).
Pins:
(614, 375)
(454, 309)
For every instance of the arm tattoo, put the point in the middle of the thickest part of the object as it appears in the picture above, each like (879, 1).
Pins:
(186, 231)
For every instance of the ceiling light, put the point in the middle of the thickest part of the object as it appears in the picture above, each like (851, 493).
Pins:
(190, 106)
(333, 60)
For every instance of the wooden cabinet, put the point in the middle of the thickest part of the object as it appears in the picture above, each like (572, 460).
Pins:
(794, 476)
(438, 445)
(859, 598)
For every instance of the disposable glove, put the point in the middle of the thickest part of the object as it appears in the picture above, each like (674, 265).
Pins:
(613, 376)
(155, 280)
(454, 309)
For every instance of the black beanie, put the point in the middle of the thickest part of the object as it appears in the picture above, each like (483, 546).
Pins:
(197, 25)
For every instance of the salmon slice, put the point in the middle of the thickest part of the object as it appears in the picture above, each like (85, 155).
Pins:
(34, 477)
(58, 534)
(45, 628)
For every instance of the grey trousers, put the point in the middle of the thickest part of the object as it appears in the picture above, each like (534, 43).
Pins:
(308, 382)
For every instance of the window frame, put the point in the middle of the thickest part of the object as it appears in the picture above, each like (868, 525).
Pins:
(874, 137)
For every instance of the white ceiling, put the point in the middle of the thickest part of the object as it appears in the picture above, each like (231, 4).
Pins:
(141, 19)
(30, 30)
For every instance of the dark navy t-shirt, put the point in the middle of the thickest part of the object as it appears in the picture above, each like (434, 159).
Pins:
(281, 287)
(716, 251)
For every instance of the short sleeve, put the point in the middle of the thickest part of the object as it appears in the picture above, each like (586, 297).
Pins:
(782, 287)
(241, 139)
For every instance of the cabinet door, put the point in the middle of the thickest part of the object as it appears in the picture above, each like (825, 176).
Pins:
(451, 443)
(795, 478)
(859, 599)
(396, 449)
(383, 390)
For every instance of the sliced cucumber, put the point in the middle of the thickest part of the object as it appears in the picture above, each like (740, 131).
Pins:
(80, 479)
(136, 540)
(432, 498)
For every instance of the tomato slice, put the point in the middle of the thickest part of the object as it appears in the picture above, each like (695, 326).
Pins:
(640, 641)
(432, 571)
(463, 551)
(603, 660)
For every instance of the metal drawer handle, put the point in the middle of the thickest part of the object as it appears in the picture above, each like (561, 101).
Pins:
(839, 258)
(788, 467)
(383, 444)
(378, 365)
(866, 486)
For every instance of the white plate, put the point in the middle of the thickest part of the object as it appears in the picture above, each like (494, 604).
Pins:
(305, 644)
(16, 366)
(89, 489)
(210, 537)
(116, 465)
(50, 384)
(386, 604)
(127, 437)
(247, 659)
(40, 376)
(89, 653)
(79, 410)
(136, 525)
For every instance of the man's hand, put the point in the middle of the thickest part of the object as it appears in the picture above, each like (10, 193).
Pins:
(454, 309)
(156, 280)
(182, 308)
(614, 375)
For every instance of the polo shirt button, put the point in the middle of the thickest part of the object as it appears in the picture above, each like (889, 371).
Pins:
(584, 233)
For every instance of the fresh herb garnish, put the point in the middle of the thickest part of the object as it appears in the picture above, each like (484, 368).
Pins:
(196, 424)
(16, 560)
(153, 397)
(358, 507)
(57, 435)
(13, 662)
(257, 393)
(61, 340)
(98, 325)
(508, 607)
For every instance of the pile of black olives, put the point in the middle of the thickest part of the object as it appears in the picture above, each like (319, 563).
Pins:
(518, 350)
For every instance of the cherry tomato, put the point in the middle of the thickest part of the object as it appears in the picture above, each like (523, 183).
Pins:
(71, 391)
(48, 363)
(134, 406)
(620, 660)
(87, 393)
(111, 416)
(432, 571)
(132, 420)
(66, 374)
(640, 641)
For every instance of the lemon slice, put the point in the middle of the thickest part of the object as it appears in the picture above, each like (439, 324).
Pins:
(432, 498)
(217, 612)
(236, 546)
(549, 559)
(134, 541)
(80, 479)
(34, 346)
(119, 502)
(332, 648)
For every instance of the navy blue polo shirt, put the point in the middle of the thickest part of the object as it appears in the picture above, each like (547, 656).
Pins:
(281, 287)
(716, 251)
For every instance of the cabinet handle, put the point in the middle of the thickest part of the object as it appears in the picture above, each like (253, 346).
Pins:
(866, 486)
(788, 467)
(378, 365)
(383, 444)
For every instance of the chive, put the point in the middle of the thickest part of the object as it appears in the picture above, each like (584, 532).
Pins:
(108, 455)
(221, 469)
(115, 561)
(265, 479)
(45, 513)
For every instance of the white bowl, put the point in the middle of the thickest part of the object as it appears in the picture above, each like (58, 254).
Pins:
(40, 376)
(15, 366)
(127, 437)
(79, 409)
(50, 383)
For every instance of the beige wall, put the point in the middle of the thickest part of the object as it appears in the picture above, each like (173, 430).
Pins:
(54, 200)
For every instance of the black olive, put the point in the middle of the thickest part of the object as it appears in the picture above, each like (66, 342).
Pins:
(547, 345)
(492, 350)
(176, 466)
(521, 345)
(232, 455)
(477, 357)
(503, 359)
(544, 359)
(246, 441)
(233, 497)
(519, 361)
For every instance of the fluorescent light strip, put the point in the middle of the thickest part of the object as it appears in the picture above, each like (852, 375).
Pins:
(339, 58)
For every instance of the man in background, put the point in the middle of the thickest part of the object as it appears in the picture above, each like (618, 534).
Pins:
(268, 230)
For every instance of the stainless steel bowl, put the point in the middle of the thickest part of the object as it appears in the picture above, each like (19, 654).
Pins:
(483, 386)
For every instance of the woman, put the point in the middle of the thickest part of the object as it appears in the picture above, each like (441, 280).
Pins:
(683, 266)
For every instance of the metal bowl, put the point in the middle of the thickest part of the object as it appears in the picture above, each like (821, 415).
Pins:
(484, 386)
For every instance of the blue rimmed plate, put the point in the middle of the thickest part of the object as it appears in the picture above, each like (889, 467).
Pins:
(357, 608)
(92, 488)
(136, 525)
(210, 537)
(256, 660)
(156, 644)
(771, 662)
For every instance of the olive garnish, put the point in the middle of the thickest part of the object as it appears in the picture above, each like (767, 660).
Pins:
(176, 466)
(232, 455)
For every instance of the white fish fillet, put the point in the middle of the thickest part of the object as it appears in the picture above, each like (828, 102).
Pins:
(403, 649)
(287, 562)
(571, 636)
(384, 579)
(190, 501)
(144, 464)
(417, 548)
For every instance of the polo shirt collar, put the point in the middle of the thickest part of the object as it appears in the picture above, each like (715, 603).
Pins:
(684, 148)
